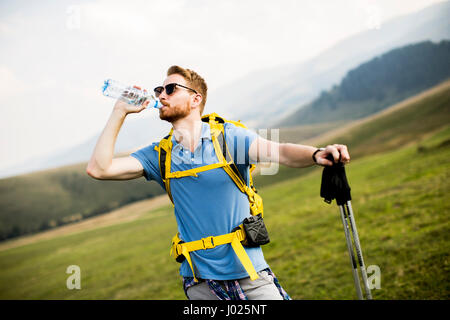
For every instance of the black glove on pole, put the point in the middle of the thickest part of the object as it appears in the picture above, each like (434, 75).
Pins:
(335, 184)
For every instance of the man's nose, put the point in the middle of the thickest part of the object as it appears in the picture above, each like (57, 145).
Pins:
(163, 95)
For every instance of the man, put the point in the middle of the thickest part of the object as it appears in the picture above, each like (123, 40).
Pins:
(208, 203)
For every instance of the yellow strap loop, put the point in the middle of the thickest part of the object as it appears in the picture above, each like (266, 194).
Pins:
(185, 253)
(243, 257)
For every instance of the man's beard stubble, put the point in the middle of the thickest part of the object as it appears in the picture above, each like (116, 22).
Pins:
(172, 114)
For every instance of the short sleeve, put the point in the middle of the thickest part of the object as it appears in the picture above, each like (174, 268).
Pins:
(239, 140)
(148, 157)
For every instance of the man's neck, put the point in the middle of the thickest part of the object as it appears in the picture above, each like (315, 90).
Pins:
(187, 131)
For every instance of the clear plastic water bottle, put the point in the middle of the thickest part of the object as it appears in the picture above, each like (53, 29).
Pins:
(114, 89)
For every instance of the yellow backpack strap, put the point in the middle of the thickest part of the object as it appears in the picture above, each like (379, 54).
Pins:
(193, 172)
(164, 157)
(226, 162)
(182, 249)
(223, 154)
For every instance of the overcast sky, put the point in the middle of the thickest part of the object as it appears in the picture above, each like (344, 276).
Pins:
(55, 54)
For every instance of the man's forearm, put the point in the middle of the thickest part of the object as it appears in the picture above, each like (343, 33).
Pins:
(288, 154)
(104, 150)
(296, 155)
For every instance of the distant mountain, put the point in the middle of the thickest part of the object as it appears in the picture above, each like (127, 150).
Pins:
(378, 83)
(263, 98)
(409, 121)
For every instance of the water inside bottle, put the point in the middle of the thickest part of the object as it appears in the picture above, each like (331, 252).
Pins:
(130, 95)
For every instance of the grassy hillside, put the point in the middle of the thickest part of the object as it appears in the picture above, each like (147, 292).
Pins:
(42, 200)
(399, 187)
(401, 210)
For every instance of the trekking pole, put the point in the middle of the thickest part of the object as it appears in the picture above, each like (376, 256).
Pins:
(358, 249)
(335, 186)
(351, 253)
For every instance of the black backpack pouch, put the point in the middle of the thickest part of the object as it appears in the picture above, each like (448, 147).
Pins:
(256, 232)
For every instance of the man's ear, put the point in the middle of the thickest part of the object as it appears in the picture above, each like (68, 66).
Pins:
(197, 100)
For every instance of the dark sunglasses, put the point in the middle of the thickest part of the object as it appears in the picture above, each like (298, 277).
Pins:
(170, 88)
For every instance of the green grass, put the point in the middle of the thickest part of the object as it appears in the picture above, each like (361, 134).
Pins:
(125, 261)
(401, 210)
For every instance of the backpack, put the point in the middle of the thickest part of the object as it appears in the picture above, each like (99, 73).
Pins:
(181, 249)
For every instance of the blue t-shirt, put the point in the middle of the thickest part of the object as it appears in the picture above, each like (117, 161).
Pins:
(210, 204)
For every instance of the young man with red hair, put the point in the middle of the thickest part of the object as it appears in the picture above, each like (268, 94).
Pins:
(207, 204)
